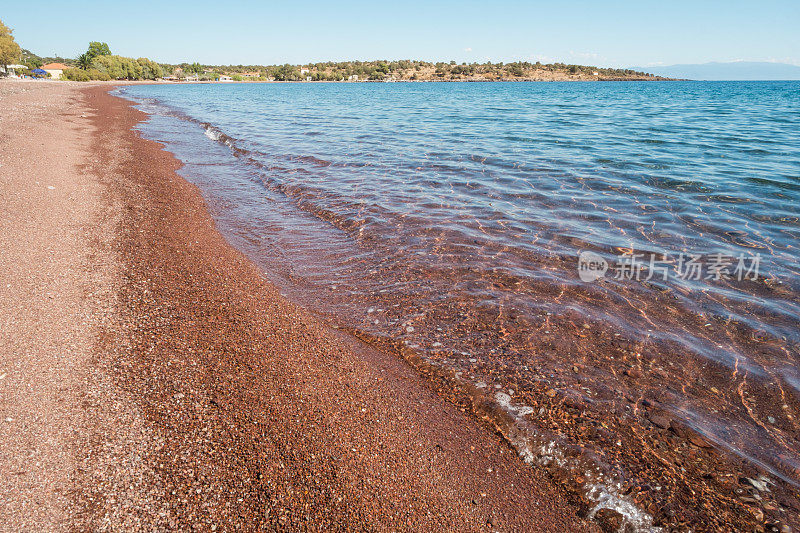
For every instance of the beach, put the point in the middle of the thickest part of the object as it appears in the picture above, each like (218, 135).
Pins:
(452, 238)
(152, 379)
(284, 315)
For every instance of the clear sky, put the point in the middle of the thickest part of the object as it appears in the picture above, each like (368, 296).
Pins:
(605, 33)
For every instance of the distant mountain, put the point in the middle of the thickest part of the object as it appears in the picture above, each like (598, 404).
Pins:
(738, 70)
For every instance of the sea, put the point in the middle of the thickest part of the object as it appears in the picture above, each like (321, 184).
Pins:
(605, 244)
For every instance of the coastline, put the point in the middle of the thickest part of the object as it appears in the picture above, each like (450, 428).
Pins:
(199, 395)
(652, 458)
(202, 396)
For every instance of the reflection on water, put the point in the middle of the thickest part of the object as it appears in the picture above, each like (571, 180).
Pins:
(450, 217)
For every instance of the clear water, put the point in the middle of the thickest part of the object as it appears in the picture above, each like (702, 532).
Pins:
(450, 216)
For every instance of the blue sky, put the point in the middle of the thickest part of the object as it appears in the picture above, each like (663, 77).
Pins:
(605, 33)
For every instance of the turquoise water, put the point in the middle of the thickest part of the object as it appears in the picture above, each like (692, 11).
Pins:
(450, 217)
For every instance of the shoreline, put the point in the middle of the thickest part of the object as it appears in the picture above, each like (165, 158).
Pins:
(207, 398)
(241, 294)
(203, 383)
(650, 457)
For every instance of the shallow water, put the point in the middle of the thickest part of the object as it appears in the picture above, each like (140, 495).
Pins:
(451, 216)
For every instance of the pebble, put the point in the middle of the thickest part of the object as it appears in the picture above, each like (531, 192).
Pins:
(759, 484)
(659, 420)
(608, 520)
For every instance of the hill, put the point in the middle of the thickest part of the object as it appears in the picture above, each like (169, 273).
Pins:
(408, 70)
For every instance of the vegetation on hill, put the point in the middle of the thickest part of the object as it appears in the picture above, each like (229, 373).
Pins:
(33, 61)
(30, 60)
(408, 70)
(98, 63)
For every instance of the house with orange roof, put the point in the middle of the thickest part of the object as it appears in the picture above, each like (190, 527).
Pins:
(55, 69)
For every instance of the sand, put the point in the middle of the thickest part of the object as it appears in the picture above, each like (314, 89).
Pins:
(152, 379)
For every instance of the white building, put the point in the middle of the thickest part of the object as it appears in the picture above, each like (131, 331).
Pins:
(225, 78)
(55, 69)
(303, 70)
(11, 70)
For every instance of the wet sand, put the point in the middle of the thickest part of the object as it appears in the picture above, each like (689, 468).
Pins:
(152, 378)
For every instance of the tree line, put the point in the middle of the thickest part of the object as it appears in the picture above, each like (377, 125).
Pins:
(98, 63)
(379, 70)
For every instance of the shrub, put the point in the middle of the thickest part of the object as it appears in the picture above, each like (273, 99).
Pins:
(75, 74)
(118, 67)
(97, 75)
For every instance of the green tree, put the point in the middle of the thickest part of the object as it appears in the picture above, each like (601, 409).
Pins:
(285, 73)
(9, 49)
(120, 68)
(98, 49)
(85, 61)
(150, 69)
(194, 68)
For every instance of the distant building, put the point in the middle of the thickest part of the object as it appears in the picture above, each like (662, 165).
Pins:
(225, 78)
(251, 75)
(354, 77)
(192, 77)
(55, 69)
(595, 73)
(11, 70)
(304, 70)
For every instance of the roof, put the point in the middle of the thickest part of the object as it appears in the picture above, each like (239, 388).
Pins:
(55, 66)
